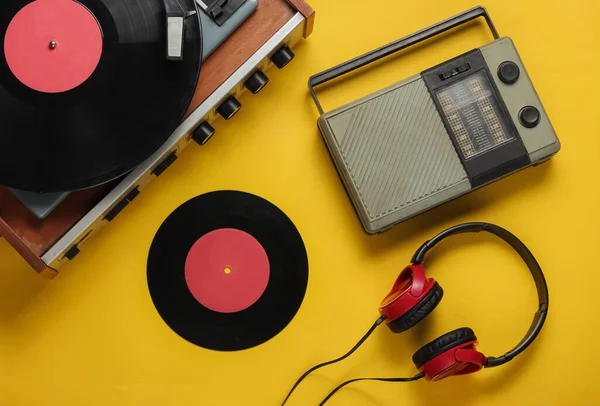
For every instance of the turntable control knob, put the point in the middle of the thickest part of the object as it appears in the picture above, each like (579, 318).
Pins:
(282, 57)
(256, 82)
(203, 133)
(229, 108)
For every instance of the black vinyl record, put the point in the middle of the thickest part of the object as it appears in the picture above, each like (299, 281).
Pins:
(227, 270)
(86, 90)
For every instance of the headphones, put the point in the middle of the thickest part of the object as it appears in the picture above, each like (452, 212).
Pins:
(414, 296)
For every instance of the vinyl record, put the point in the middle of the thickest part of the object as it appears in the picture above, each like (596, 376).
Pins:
(86, 90)
(227, 271)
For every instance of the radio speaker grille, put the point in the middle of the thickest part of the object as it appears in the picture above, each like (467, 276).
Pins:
(395, 149)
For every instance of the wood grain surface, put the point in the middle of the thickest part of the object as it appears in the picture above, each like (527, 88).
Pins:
(268, 18)
(308, 12)
(40, 235)
(21, 246)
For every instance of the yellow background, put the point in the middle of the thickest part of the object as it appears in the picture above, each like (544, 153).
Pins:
(93, 337)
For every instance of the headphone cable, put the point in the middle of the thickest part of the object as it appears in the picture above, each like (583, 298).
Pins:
(343, 357)
(340, 386)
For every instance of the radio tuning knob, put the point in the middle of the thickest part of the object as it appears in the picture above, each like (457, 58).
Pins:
(509, 72)
(529, 116)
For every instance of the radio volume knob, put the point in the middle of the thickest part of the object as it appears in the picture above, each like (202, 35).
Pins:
(509, 72)
(529, 116)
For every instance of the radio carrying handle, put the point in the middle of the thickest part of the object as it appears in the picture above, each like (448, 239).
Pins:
(396, 46)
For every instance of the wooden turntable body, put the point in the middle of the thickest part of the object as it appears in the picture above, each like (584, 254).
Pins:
(50, 243)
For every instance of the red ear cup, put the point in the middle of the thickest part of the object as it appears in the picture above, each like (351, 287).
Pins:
(411, 299)
(451, 354)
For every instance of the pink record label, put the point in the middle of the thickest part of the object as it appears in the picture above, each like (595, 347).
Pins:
(227, 270)
(53, 46)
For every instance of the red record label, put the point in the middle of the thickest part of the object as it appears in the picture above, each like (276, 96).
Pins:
(53, 46)
(227, 270)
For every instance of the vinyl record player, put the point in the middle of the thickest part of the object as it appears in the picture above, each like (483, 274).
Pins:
(240, 41)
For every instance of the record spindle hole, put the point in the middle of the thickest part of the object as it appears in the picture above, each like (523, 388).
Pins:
(227, 270)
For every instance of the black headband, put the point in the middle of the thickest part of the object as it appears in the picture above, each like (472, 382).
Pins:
(532, 264)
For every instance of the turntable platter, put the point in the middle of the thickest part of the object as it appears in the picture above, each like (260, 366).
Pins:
(86, 89)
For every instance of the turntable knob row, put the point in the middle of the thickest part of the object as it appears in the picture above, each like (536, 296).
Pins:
(255, 83)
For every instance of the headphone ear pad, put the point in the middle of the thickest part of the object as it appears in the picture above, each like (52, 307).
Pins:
(419, 311)
(442, 344)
